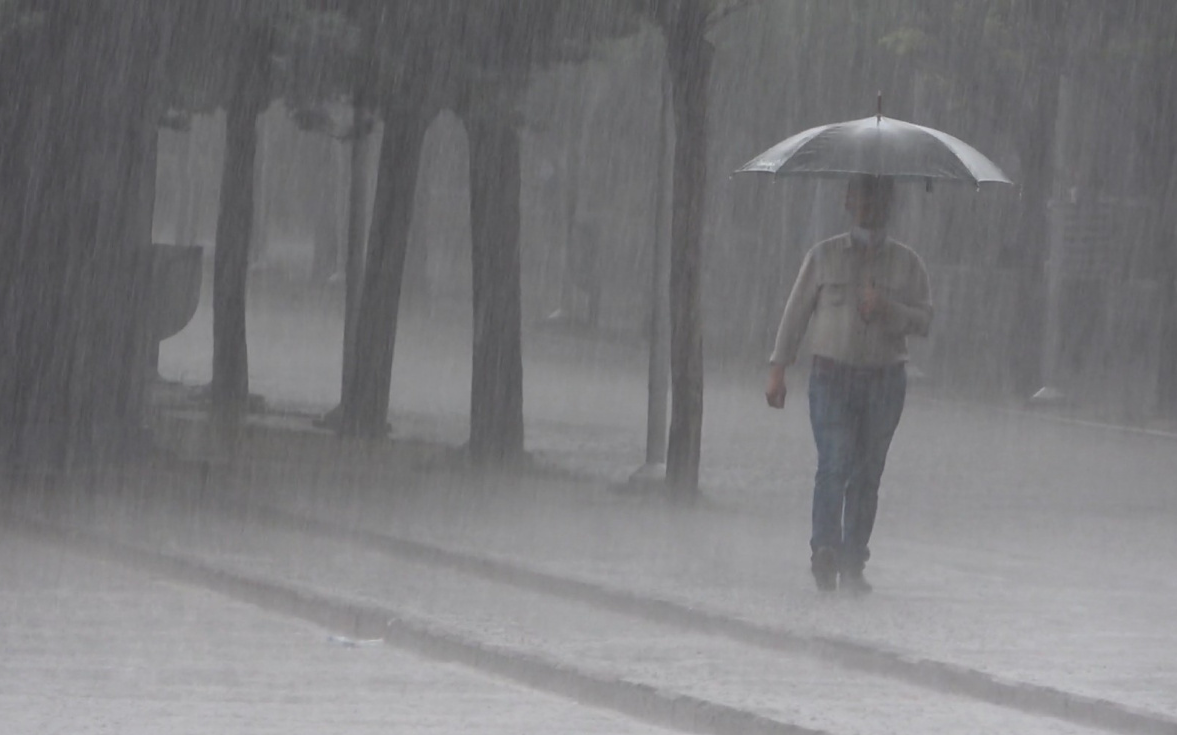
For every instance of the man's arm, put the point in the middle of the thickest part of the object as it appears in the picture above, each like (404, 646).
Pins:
(798, 310)
(794, 322)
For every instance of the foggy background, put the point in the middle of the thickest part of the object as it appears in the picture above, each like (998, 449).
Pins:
(1082, 134)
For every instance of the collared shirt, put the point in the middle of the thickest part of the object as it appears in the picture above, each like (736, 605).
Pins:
(824, 303)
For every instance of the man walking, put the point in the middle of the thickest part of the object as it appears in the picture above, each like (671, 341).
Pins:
(858, 295)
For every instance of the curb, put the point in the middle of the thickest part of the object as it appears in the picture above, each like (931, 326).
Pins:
(1042, 415)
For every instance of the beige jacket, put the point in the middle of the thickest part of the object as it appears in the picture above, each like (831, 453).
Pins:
(824, 303)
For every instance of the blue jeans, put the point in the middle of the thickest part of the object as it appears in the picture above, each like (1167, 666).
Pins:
(854, 412)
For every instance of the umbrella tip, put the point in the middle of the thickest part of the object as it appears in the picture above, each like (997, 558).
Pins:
(879, 106)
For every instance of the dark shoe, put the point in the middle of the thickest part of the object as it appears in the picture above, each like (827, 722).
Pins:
(855, 583)
(825, 569)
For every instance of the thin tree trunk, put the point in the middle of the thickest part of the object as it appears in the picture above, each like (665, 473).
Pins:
(358, 217)
(1162, 178)
(230, 383)
(658, 370)
(365, 405)
(496, 390)
(1157, 111)
(143, 350)
(1163, 232)
(1167, 367)
(690, 56)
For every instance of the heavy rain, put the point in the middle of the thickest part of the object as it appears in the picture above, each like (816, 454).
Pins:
(446, 366)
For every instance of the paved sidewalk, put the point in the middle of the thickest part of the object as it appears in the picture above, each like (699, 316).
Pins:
(1024, 621)
(90, 647)
(633, 662)
(1057, 609)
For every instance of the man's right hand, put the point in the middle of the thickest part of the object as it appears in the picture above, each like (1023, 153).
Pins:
(775, 392)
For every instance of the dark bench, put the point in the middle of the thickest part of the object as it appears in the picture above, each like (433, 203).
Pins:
(177, 273)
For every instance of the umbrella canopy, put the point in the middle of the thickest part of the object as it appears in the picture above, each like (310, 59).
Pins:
(880, 146)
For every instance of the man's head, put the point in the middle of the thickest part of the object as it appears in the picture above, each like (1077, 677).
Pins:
(868, 200)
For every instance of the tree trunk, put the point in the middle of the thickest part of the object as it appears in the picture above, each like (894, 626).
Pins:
(365, 405)
(1156, 110)
(689, 56)
(144, 350)
(1161, 178)
(658, 370)
(358, 217)
(1163, 232)
(230, 383)
(1167, 367)
(496, 390)
(71, 380)
(27, 163)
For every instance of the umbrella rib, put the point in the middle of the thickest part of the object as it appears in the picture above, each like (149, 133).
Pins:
(764, 162)
(960, 166)
(953, 142)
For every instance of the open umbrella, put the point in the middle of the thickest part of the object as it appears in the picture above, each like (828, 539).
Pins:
(880, 146)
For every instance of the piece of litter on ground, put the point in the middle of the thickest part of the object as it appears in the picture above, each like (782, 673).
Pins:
(343, 640)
